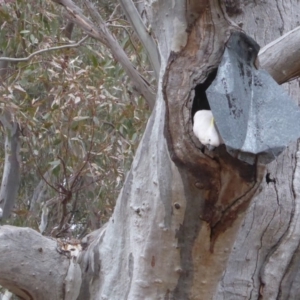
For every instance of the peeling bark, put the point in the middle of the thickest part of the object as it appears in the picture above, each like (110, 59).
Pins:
(189, 223)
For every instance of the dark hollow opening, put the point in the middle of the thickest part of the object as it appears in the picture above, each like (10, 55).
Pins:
(200, 100)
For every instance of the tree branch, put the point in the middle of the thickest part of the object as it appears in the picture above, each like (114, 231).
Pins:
(137, 23)
(30, 266)
(102, 34)
(281, 58)
(42, 51)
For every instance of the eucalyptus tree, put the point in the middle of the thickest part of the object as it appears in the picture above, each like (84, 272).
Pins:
(189, 223)
(74, 142)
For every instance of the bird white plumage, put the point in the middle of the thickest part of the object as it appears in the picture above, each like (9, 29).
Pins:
(205, 129)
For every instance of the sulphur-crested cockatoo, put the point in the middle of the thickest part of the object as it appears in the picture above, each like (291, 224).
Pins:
(205, 129)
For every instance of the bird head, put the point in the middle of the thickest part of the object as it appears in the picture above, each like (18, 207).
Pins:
(205, 129)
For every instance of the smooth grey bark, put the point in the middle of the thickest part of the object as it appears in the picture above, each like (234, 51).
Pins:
(31, 266)
(144, 34)
(11, 171)
(39, 194)
(190, 224)
(287, 64)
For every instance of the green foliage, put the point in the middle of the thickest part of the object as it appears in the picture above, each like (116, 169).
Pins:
(81, 121)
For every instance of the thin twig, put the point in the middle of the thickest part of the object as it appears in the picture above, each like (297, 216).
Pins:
(87, 156)
(43, 50)
(113, 13)
(65, 171)
(39, 170)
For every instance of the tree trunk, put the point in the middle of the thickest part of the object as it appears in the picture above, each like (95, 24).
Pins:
(11, 171)
(192, 224)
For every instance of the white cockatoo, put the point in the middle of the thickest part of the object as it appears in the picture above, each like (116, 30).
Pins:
(205, 129)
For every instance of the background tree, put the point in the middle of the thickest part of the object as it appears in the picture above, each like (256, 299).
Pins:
(188, 224)
(77, 122)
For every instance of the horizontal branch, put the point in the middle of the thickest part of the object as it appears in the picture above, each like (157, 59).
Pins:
(273, 272)
(30, 266)
(43, 51)
(281, 58)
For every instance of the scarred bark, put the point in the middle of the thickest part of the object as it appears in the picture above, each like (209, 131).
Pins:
(187, 224)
